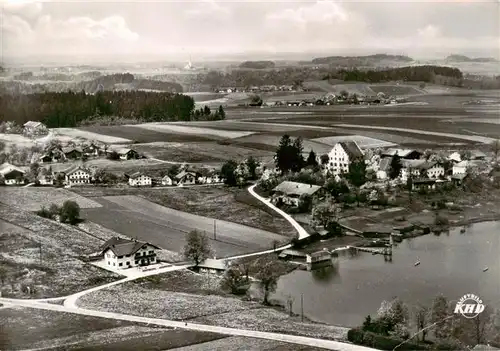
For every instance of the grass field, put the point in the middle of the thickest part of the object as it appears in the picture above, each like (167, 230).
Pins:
(137, 217)
(23, 328)
(273, 140)
(395, 90)
(362, 141)
(142, 135)
(43, 255)
(209, 151)
(83, 134)
(182, 129)
(233, 205)
(120, 166)
(33, 198)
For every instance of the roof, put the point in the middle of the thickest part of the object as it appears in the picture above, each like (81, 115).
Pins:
(378, 228)
(122, 247)
(8, 168)
(124, 151)
(182, 174)
(417, 164)
(477, 153)
(464, 163)
(73, 169)
(71, 148)
(400, 152)
(294, 188)
(320, 253)
(288, 252)
(210, 263)
(137, 175)
(32, 124)
(352, 149)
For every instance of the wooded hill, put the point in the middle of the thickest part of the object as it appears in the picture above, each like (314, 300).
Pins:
(351, 61)
(69, 109)
(257, 64)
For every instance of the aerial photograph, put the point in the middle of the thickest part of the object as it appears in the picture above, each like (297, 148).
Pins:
(247, 175)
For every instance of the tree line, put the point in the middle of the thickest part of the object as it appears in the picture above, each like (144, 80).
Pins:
(70, 109)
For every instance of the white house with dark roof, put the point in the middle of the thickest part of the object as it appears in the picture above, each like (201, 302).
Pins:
(139, 179)
(185, 178)
(460, 168)
(167, 181)
(127, 154)
(77, 175)
(33, 128)
(124, 253)
(341, 156)
(11, 174)
(290, 192)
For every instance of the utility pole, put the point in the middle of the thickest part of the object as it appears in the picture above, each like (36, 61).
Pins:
(302, 307)
(215, 230)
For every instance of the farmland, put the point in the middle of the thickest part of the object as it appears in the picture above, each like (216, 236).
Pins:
(183, 129)
(82, 134)
(24, 328)
(43, 255)
(136, 217)
(398, 90)
(233, 205)
(273, 140)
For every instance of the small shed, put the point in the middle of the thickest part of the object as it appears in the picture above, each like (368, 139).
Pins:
(212, 266)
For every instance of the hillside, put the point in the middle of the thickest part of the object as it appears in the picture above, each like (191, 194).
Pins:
(462, 58)
(27, 83)
(370, 60)
(257, 64)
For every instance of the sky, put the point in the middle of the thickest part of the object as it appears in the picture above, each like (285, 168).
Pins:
(217, 28)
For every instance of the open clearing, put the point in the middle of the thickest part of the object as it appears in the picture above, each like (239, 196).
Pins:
(273, 140)
(33, 198)
(210, 151)
(82, 134)
(218, 202)
(139, 218)
(43, 255)
(142, 135)
(241, 125)
(172, 128)
(395, 89)
(363, 141)
(25, 328)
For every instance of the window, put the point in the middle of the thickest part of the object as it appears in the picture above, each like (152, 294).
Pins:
(136, 262)
(151, 252)
(120, 264)
(109, 264)
(128, 263)
(114, 264)
(152, 259)
(120, 256)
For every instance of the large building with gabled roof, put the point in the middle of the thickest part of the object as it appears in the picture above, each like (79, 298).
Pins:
(121, 253)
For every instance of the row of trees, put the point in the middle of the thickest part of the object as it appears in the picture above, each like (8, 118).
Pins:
(69, 109)
(69, 212)
(437, 322)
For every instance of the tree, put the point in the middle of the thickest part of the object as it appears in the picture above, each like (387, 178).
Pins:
(296, 152)
(197, 247)
(2, 146)
(235, 281)
(325, 213)
(439, 315)
(336, 189)
(473, 331)
(324, 159)
(221, 113)
(113, 155)
(256, 100)
(395, 166)
(284, 156)
(495, 147)
(311, 159)
(393, 318)
(206, 111)
(228, 173)
(357, 172)
(421, 319)
(409, 183)
(173, 170)
(3, 274)
(268, 270)
(252, 165)
(70, 212)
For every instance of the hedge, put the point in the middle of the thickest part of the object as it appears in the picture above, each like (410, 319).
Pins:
(381, 342)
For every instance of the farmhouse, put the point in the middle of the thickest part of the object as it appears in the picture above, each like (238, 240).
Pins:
(433, 170)
(123, 253)
(290, 192)
(460, 168)
(127, 154)
(341, 156)
(77, 175)
(32, 128)
(405, 154)
(12, 175)
(455, 157)
(45, 177)
(139, 179)
(91, 150)
(72, 153)
(212, 266)
(185, 178)
(383, 168)
(166, 180)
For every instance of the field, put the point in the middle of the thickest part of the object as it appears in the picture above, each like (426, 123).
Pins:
(82, 134)
(395, 90)
(43, 255)
(198, 151)
(362, 141)
(182, 129)
(23, 328)
(221, 203)
(273, 140)
(119, 166)
(142, 135)
(33, 198)
(137, 217)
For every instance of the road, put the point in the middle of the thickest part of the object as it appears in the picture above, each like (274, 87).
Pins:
(328, 344)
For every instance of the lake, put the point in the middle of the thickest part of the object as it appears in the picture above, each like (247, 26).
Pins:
(451, 264)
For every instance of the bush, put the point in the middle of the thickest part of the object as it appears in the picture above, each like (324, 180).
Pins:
(381, 342)
(441, 220)
(355, 336)
(45, 213)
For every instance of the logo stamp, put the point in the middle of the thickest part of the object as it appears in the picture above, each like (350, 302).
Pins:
(469, 306)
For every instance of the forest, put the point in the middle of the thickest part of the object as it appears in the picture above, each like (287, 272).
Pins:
(370, 60)
(428, 74)
(257, 64)
(70, 109)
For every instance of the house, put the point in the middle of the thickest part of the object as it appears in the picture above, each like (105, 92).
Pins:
(127, 154)
(45, 177)
(476, 155)
(460, 168)
(124, 253)
(341, 156)
(290, 192)
(72, 153)
(384, 168)
(166, 181)
(420, 168)
(455, 157)
(91, 150)
(11, 174)
(77, 175)
(46, 158)
(139, 179)
(405, 154)
(423, 184)
(185, 178)
(33, 128)
(433, 170)
(459, 178)
(212, 266)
